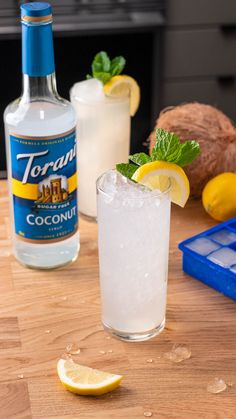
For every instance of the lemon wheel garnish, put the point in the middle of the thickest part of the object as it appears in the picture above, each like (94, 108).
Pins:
(84, 380)
(122, 86)
(158, 174)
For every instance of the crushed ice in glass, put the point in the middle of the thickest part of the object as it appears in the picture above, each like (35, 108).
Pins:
(121, 191)
(88, 90)
(224, 236)
(178, 353)
(217, 385)
(73, 349)
(224, 257)
(202, 246)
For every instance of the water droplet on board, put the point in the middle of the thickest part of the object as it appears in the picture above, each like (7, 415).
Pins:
(4, 253)
(66, 356)
(217, 385)
(73, 349)
(147, 414)
(178, 353)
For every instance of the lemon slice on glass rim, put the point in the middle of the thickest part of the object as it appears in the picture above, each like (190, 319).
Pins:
(123, 85)
(158, 174)
(85, 380)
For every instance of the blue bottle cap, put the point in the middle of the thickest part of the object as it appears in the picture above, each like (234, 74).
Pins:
(36, 12)
(37, 41)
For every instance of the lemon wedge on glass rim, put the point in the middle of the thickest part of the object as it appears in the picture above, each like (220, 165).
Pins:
(83, 380)
(123, 85)
(158, 174)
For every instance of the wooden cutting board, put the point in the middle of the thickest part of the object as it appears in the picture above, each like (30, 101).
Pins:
(42, 312)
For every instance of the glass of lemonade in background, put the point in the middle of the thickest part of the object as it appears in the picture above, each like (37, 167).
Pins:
(133, 238)
(103, 137)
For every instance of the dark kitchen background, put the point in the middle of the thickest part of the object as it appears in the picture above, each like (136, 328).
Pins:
(177, 50)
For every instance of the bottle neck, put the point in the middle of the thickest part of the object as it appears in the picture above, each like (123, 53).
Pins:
(39, 88)
(38, 61)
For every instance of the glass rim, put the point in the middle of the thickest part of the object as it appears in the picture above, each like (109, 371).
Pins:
(154, 193)
(111, 99)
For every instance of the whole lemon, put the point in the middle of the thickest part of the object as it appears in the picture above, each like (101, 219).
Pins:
(219, 196)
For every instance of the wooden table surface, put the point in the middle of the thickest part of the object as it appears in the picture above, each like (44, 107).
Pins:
(42, 312)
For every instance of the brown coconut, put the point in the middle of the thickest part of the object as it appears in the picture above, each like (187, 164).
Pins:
(215, 134)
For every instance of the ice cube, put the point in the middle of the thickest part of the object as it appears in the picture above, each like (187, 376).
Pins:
(202, 246)
(217, 385)
(178, 353)
(224, 257)
(111, 181)
(224, 236)
(72, 349)
(233, 269)
(88, 90)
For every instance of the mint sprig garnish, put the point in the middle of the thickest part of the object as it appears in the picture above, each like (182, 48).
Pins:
(167, 148)
(140, 158)
(104, 69)
(189, 151)
(126, 169)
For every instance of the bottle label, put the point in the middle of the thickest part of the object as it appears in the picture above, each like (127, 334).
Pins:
(44, 187)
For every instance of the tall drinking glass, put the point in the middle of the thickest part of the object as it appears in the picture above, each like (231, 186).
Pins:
(133, 238)
(103, 139)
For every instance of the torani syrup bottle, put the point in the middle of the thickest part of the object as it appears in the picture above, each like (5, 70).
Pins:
(41, 153)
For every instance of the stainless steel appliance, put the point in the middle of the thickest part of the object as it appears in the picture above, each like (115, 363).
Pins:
(81, 28)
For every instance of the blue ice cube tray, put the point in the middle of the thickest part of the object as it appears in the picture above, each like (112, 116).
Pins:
(211, 257)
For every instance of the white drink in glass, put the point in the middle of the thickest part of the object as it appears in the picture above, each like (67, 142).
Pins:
(133, 238)
(103, 126)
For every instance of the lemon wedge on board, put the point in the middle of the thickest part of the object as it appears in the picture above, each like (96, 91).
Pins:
(85, 380)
